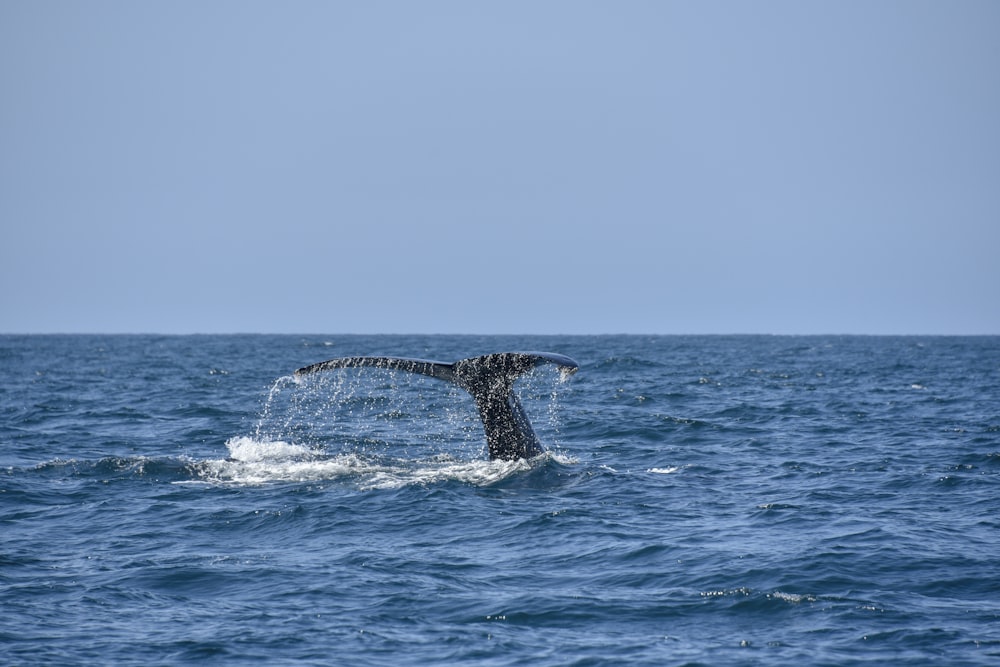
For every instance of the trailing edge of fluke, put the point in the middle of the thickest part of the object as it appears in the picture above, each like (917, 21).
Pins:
(490, 380)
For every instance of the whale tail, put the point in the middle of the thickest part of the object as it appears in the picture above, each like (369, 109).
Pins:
(490, 379)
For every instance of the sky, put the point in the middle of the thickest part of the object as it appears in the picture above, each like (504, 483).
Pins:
(553, 167)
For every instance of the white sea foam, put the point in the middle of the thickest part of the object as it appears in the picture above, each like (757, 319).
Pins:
(255, 462)
(793, 598)
(248, 449)
(441, 469)
(664, 471)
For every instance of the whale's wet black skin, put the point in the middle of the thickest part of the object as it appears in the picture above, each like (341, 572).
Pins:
(490, 380)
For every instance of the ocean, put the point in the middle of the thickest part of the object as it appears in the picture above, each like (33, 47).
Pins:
(703, 500)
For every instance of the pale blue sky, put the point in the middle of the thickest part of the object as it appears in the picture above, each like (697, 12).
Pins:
(504, 167)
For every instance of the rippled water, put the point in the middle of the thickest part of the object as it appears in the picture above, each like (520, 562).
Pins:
(704, 500)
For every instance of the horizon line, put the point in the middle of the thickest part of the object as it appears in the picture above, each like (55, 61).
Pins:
(425, 333)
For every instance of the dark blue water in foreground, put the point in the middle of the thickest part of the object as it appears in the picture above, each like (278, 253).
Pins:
(705, 500)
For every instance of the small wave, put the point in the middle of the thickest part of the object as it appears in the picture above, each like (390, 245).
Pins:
(665, 471)
(748, 596)
(791, 598)
(769, 507)
(110, 468)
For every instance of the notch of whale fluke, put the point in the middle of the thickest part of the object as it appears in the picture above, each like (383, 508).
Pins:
(490, 379)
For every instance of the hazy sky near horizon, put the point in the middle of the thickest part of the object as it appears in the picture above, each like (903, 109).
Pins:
(500, 167)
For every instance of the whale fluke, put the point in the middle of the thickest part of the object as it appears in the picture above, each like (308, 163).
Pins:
(489, 378)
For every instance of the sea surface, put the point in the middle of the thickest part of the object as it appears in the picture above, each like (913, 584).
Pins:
(703, 500)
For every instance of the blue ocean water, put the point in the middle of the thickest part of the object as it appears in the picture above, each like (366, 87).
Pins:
(704, 500)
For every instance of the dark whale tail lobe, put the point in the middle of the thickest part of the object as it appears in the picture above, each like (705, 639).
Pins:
(490, 380)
